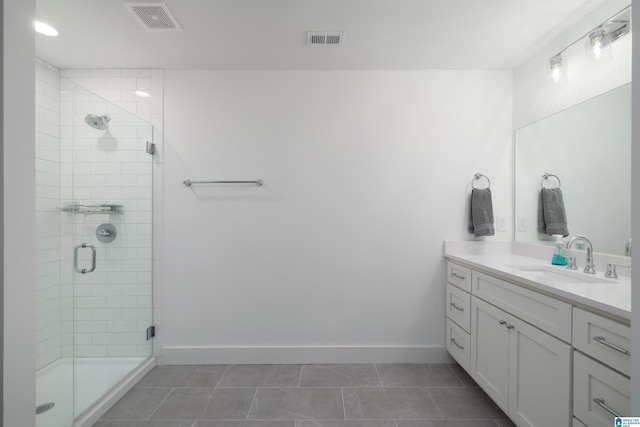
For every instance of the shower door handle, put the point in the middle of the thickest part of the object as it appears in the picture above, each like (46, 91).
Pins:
(93, 258)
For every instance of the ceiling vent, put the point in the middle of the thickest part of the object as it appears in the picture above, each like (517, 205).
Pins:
(325, 38)
(154, 16)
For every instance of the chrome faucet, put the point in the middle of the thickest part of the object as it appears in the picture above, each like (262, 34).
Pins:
(627, 248)
(590, 267)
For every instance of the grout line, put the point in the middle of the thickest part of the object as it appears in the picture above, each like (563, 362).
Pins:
(300, 375)
(221, 376)
(426, 389)
(378, 374)
(456, 375)
(210, 394)
(255, 394)
(163, 400)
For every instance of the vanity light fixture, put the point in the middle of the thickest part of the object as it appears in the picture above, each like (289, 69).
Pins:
(598, 43)
(558, 69)
(45, 29)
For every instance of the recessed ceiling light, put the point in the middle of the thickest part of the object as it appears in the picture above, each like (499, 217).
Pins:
(45, 29)
(143, 94)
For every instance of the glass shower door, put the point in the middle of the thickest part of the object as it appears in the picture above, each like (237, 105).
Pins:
(106, 192)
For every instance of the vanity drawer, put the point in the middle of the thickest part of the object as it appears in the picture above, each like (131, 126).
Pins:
(459, 276)
(593, 383)
(549, 314)
(458, 344)
(459, 307)
(603, 339)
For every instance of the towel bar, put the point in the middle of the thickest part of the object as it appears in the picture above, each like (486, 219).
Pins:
(189, 183)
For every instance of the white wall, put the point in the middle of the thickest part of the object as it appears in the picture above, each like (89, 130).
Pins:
(19, 213)
(366, 173)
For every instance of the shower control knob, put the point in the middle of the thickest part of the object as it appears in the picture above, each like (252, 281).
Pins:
(106, 233)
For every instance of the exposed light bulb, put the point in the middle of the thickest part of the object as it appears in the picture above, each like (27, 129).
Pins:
(598, 45)
(558, 69)
(597, 50)
(45, 29)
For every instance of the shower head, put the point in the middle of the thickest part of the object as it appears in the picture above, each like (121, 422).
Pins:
(97, 122)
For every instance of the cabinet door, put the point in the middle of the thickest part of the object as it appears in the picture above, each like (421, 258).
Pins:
(490, 351)
(539, 377)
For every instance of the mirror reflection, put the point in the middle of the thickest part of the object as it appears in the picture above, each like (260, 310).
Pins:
(588, 147)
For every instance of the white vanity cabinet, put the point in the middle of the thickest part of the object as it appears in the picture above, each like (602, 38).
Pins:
(547, 351)
(515, 345)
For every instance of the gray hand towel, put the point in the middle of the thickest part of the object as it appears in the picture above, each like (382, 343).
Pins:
(552, 218)
(481, 213)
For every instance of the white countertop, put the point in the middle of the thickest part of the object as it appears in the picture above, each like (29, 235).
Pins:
(511, 263)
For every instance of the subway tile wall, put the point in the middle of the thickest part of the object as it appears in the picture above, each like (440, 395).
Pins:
(48, 322)
(106, 312)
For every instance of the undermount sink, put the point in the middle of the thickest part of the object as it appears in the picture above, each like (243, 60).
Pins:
(558, 275)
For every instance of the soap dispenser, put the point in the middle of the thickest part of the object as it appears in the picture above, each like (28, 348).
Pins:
(558, 255)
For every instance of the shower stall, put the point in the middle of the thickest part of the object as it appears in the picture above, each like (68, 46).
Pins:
(93, 250)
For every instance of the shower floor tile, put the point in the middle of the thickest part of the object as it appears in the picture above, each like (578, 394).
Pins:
(358, 395)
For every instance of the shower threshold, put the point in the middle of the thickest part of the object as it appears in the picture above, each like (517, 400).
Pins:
(91, 378)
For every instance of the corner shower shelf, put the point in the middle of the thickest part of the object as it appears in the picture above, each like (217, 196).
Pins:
(93, 209)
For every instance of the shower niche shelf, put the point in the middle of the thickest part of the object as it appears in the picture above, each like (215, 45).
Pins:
(93, 209)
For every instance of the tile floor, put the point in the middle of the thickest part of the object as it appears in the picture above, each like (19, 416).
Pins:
(367, 395)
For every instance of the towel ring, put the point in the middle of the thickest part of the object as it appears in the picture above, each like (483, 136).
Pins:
(546, 176)
(478, 177)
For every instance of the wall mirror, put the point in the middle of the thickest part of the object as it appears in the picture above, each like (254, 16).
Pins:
(588, 147)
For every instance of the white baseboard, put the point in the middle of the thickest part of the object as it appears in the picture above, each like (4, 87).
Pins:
(302, 355)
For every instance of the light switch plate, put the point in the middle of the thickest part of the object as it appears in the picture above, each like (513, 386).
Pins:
(523, 223)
